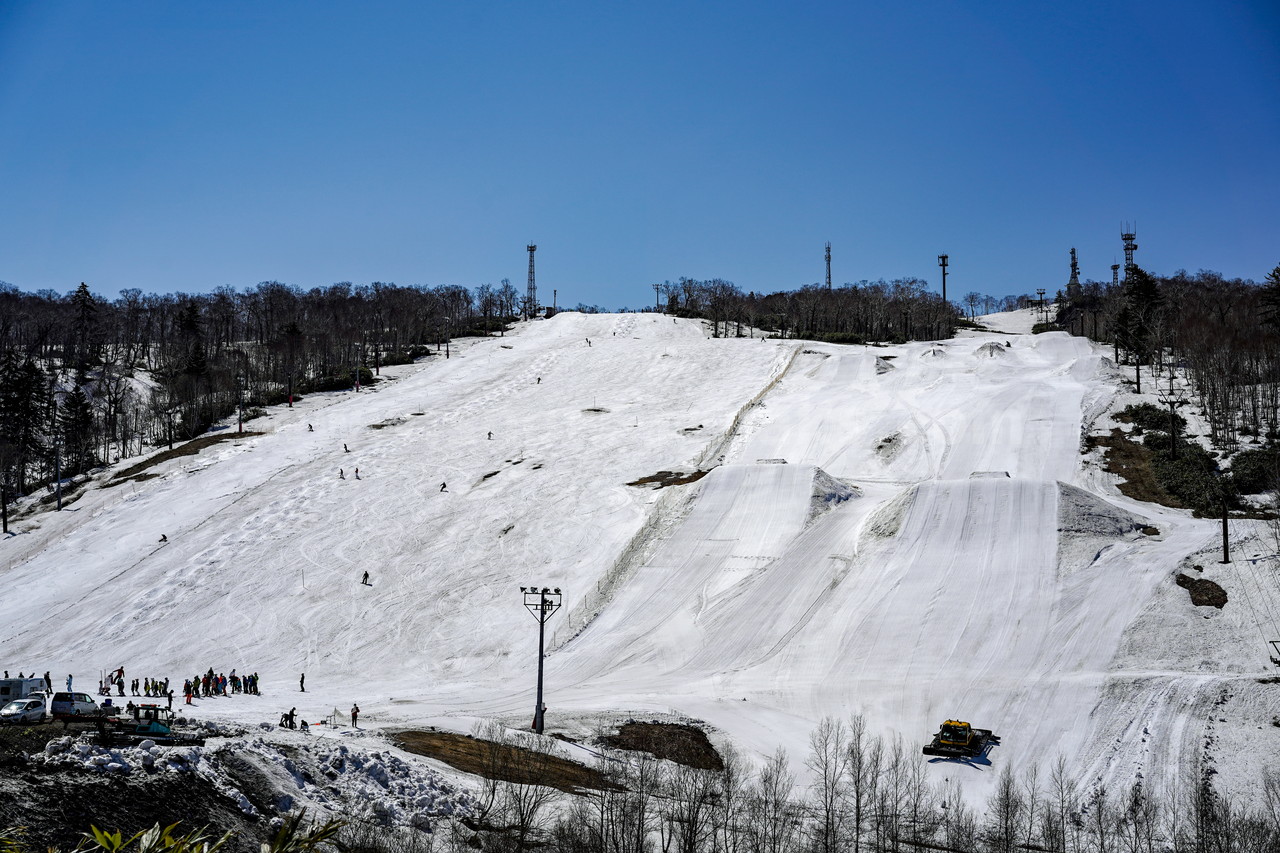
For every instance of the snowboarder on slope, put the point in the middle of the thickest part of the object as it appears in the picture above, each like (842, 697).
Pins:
(341, 475)
(365, 579)
(442, 487)
(302, 682)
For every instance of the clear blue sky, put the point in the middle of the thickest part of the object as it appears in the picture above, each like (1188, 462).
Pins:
(181, 146)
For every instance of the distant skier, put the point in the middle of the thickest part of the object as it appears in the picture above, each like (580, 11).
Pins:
(491, 435)
(309, 428)
(302, 682)
(355, 713)
(365, 580)
(357, 473)
(163, 539)
(539, 382)
(341, 475)
(442, 487)
(345, 449)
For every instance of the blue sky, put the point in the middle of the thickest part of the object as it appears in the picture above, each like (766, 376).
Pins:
(182, 146)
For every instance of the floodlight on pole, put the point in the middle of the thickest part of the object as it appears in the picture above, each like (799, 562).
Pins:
(541, 603)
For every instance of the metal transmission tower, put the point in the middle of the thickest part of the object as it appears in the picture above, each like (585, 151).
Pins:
(531, 295)
(1115, 275)
(942, 262)
(1073, 286)
(541, 603)
(828, 265)
(1128, 235)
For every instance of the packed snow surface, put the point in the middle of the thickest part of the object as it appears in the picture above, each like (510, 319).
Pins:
(908, 532)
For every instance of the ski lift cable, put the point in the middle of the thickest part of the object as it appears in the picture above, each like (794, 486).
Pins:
(1262, 594)
(1258, 622)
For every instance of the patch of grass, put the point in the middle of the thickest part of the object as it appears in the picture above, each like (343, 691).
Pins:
(1149, 416)
(190, 448)
(1134, 463)
(662, 479)
(502, 761)
(683, 744)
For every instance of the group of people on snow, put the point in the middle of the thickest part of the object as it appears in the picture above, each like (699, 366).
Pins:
(219, 684)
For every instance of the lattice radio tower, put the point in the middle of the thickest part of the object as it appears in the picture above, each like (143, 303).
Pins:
(1073, 286)
(1115, 274)
(1128, 234)
(531, 295)
(828, 265)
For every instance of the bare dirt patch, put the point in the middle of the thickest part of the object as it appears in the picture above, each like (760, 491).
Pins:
(504, 762)
(678, 742)
(191, 448)
(662, 479)
(1204, 593)
(1132, 462)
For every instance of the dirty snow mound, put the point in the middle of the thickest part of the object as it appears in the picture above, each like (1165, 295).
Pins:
(991, 349)
(1088, 526)
(887, 520)
(828, 492)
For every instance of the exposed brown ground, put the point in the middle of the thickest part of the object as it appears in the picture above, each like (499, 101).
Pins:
(1204, 593)
(501, 761)
(190, 448)
(683, 744)
(662, 479)
(1132, 461)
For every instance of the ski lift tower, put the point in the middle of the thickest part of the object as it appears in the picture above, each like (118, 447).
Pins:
(541, 603)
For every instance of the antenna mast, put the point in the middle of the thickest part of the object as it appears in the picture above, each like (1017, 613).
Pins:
(1128, 235)
(531, 295)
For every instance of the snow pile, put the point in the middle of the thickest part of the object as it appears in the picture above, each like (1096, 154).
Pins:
(337, 778)
(1088, 526)
(828, 492)
(991, 349)
(69, 753)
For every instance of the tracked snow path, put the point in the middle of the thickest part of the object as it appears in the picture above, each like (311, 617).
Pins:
(958, 581)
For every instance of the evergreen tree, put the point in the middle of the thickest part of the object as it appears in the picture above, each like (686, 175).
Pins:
(75, 427)
(1269, 302)
(86, 310)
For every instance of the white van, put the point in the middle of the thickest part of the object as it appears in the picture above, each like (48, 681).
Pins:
(72, 705)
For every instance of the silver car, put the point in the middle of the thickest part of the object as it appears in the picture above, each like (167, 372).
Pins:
(23, 711)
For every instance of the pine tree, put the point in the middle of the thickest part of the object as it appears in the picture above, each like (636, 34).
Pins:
(75, 426)
(1269, 301)
(86, 311)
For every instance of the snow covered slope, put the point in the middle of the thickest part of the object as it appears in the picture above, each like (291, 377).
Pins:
(909, 532)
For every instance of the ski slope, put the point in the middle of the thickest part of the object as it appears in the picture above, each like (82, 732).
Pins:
(908, 532)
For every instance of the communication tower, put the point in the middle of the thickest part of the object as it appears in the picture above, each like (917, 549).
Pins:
(1073, 286)
(942, 262)
(828, 265)
(531, 295)
(1115, 275)
(1128, 235)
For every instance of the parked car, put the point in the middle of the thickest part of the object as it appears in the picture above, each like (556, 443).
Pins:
(72, 705)
(23, 711)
